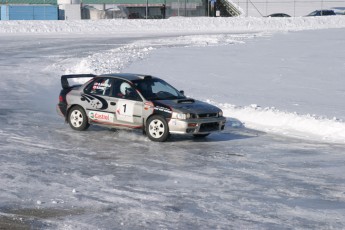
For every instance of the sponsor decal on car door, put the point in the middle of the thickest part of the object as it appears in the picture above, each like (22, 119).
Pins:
(101, 116)
(125, 110)
(95, 99)
(129, 112)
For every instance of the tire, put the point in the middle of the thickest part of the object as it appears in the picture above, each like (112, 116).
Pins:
(77, 118)
(157, 129)
(201, 135)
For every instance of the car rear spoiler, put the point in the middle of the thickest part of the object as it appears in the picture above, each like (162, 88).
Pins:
(64, 79)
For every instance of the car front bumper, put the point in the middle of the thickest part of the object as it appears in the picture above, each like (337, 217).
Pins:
(197, 126)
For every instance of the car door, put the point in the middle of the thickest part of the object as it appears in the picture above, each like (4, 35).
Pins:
(129, 105)
(99, 106)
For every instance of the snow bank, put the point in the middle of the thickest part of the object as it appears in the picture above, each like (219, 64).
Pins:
(172, 25)
(114, 60)
(271, 120)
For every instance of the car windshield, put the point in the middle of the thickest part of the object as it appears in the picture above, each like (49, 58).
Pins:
(157, 89)
(314, 13)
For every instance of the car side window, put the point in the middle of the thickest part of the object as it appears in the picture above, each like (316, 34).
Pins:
(100, 86)
(124, 90)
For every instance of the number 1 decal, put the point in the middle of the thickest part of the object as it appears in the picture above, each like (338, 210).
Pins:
(124, 110)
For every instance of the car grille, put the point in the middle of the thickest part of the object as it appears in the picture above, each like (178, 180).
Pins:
(207, 115)
(207, 127)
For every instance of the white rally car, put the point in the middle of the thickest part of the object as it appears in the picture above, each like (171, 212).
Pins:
(134, 101)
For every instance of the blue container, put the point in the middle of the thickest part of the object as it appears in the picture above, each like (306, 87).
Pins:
(2, 14)
(29, 12)
(46, 13)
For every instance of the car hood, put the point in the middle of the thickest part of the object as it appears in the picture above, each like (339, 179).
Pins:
(188, 105)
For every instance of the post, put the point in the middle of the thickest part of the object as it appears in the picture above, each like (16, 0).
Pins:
(185, 8)
(208, 8)
(163, 8)
(147, 8)
(247, 8)
(178, 8)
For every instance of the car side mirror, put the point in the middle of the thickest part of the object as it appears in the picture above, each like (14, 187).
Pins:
(182, 92)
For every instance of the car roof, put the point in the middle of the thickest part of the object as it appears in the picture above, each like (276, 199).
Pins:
(278, 14)
(128, 76)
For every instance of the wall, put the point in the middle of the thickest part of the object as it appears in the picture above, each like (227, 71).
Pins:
(29, 12)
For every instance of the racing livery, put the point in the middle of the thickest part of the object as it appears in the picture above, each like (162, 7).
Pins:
(134, 101)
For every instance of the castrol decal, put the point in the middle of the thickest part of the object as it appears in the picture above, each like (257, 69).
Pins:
(101, 116)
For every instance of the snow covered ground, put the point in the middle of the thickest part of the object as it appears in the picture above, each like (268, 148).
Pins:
(279, 164)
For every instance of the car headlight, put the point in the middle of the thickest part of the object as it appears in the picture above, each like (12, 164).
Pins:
(220, 113)
(181, 116)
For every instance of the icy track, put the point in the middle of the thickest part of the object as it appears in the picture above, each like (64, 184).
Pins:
(267, 119)
(278, 165)
(308, 124)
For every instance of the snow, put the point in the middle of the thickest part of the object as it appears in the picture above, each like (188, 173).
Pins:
(118, 27)
(278, 164)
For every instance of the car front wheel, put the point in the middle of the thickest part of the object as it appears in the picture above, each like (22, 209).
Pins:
(77, 118)
(157, 129)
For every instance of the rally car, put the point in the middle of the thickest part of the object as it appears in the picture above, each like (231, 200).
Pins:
(134, 101)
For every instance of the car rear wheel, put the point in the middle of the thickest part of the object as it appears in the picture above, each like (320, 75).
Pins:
(201, 135)
(157, 129)
(77, 118)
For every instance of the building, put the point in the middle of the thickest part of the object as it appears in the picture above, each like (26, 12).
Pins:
(155, 9)
(132, 9)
